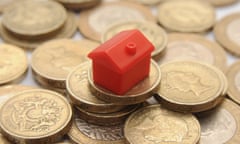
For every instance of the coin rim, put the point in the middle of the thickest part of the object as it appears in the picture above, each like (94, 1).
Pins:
(221, 37)
(160, 107)
(48, 135)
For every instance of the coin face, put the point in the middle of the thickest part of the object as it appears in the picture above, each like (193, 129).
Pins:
(233, 76)
(227, 33)
(139, 93)
(154, 124)
(193, 47)
(13, 63)
(220, 125)
(190, 86)
(83, 132)
(80, 94)
(35, 115)
(55, 59)
(155, 34)
(186, 16)
(95, 21)
(34, 17)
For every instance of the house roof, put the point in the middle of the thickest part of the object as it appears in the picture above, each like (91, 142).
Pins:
(123, 50)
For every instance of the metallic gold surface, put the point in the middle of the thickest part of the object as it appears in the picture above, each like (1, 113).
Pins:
(53, 60)
(226, 32)
(113, 118)
(34, 17)
(80, 95)
(85, 133)
(154, 33)
(94, 22)
(139, 93)
(155, 124)
(194, 47)
(35, 116)
(13, 63)
(190, 86)
(220, 125)
(186, 16)
(68, 29)
(233, 75)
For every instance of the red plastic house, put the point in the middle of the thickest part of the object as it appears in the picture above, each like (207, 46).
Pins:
(121, 62)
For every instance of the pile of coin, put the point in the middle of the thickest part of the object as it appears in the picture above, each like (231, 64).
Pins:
(182, 101)
(29, 23)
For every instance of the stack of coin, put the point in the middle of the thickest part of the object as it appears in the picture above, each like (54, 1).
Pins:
(79, 4)
(151, 31)
(191, 86)
(35, 116)
(193, 47)
(97, 105)
(87, 105)
(30, 22)
(53, 60)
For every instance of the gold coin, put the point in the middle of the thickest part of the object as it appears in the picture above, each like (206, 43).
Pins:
(35, 116)
(139, 93)
(7, 92)
(221, 2)
(154, 124)
(233, 76)
(194, 47)
(220, 125)
(82, 132)
(113, 118)
(53, 60)
(186, 16)
(189, 86)
(68, 29)
(227, 31)
(34, 17)
(148, 2)
(94, 22)
(13, 63)
(152, 32)
(80, 95)
(79, 4)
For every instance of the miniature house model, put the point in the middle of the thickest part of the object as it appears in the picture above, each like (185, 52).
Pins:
(121, 62)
